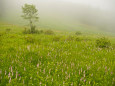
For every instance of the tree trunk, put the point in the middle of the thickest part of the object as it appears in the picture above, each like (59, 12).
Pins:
(32, 29)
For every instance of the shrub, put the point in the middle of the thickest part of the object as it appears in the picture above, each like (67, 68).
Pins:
(87, 39)
(78, 33)
(12, 36)
(70, 38)
(41, 31)
(78, 39)
(49, 32)
(38, 31)
(56, 38)
(8, 30)
(26, 31)
(33, 29)
(30, 39)
(103, 42)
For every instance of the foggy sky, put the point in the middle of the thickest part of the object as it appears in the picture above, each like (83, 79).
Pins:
(104, 4)
(100, 13)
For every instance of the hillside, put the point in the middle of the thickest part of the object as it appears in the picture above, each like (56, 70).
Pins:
(62, 58)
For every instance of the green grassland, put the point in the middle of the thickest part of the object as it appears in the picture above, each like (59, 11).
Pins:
(60, 59)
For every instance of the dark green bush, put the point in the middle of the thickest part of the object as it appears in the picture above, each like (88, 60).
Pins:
(103, 42)
(87, 39)
(28, 31)
(78, 33)
(70, 38)
(33, 29)
(49, 32)
(8, 30)
(57, 38)
(38, 31)
(30, 39)
(41, 31)
(78, 39)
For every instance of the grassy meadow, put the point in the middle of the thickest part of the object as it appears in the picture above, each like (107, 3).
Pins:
(59, 59)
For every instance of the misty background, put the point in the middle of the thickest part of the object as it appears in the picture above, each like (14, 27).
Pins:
(68, 14)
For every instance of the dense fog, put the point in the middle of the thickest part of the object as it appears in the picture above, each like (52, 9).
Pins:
(97, 13)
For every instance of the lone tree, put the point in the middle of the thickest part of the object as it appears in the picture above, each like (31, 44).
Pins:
(30, 13)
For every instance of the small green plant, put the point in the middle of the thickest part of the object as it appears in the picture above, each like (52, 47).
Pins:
(70, 38)
(8, 30)
(49, 32)
(103, 42)
(33, 29)
(78, 39)
(57, 38)
(41, 31)
(78, 33)
(38, 31)
(87, 39)
(30, 39)
(26, 31)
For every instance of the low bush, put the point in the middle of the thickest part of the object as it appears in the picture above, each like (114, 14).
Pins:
(13, 36)
(28, 31)
(70, 38)
(33, 29)
(103, 42)
(41, 31)
(8, 30)
(78, 39)
(57, 38)
(30, 39)
(78, 33)
(49, 32)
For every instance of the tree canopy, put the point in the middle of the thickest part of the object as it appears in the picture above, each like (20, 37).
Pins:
(30, 13)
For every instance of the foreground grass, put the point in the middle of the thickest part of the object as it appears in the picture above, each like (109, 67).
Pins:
(54, 60)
